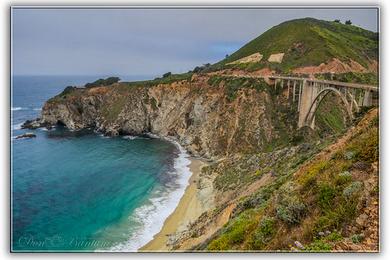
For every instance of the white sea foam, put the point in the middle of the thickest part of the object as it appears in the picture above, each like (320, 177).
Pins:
(133, 137)
(152, 215)
(46, 130)
(17, 126)
(130, 137)
(17, 108)
(25, 108)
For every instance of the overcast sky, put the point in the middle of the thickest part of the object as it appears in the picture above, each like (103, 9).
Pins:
(149, 42)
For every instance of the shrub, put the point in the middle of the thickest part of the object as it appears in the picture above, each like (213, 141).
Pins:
(256, 200)
(308, 178)
(356, 77)
(343, 178)
(290, 209)
(318, 246)
(351, 190)
(166, 75)
(235, 232)
(291, 213)
(334, 219)
(296, 139)
(368, 146)
(103, 82)
(232, 84)
(325, 197)
(334, 237)
(328, 221)
(264, 233)
(357, 238)
(349, 155)
(67, 90)
(348, 22)
(111, 80)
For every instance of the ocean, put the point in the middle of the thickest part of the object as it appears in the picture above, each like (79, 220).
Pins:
(81, 191)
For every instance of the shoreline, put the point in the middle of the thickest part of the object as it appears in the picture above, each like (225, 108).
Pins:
(189, 209)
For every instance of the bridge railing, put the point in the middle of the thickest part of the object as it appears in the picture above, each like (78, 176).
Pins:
(330, 82)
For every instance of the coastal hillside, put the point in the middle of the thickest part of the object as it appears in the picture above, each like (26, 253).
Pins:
(311, 197)
(308, 43)
(274, 186)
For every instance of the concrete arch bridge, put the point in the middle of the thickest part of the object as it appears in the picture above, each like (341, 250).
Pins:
(308, 93)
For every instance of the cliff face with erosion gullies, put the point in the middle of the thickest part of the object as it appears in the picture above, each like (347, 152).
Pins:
(275, 187)
(209, 119)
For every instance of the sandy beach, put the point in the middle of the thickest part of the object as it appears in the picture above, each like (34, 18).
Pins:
(188, 209)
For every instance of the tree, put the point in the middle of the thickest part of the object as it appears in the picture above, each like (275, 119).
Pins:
(166, 75)
(348, 22)
(337, 21)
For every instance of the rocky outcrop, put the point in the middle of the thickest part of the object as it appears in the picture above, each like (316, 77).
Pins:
(337, 66)
(200, 116)
(256, 57)
(34, 124)
(276, 58)
(26, 135)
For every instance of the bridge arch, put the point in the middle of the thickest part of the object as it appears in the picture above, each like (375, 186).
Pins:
(320, 97)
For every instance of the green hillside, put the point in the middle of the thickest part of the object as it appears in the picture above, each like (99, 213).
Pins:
(310, 41)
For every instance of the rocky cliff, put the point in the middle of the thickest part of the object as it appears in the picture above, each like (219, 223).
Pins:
(209, 118)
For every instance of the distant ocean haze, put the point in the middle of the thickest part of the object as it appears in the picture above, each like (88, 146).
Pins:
(81, 191)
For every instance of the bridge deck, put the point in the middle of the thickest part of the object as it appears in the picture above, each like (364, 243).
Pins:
(330, 82)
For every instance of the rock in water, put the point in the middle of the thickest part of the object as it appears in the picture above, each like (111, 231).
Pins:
(32, 124)
(26, 135)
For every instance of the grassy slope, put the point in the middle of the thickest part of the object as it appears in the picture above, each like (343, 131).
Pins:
(320, 41)
(326, 194)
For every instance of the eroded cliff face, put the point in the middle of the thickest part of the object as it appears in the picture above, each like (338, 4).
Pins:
(200, 116)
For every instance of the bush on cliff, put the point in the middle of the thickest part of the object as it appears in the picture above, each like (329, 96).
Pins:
(103, 82)
(67, 90)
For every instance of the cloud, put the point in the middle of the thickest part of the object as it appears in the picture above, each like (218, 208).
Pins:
(144, 41)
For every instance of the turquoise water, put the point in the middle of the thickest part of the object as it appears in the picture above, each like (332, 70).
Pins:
(80, 191)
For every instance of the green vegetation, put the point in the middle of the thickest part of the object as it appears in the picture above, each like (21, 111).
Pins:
(331, 116)
(165, 80)
(111, 113)
(307, 180)
(235, 232)
(325, 196)
(357, 238)
(318, 246)
(324, 244)
(68, 90)
(233, 84)
(264, 233)
(290, 207)
(354, 77)
(308, 42)
(312, 206)
(103, 82)
(166, 75)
